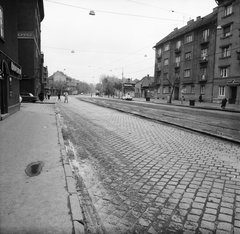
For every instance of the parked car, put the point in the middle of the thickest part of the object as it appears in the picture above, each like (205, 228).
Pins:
(28, 97)
(127, 97)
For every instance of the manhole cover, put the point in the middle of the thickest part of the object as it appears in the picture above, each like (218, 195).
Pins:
(34, 168)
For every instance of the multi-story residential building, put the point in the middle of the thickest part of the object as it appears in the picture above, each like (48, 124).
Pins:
(227, 61)
(185, 60)
(30, 15)
(10, 70)
(202, 57)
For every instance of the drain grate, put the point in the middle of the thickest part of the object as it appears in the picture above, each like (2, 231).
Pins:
(34, 168)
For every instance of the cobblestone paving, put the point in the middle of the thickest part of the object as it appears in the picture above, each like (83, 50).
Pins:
(138, 176)
(48, 108)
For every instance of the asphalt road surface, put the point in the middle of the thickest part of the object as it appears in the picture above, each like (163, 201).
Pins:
(135, 175)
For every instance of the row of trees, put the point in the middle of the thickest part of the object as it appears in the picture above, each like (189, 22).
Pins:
(109, 85)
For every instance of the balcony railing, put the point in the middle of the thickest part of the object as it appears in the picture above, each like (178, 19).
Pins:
(204, 40)
(203, 59)
(178, 49)
(202, 78)
(177, 65)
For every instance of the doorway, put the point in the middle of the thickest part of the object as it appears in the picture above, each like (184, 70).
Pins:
(233, 93)
(176, 93)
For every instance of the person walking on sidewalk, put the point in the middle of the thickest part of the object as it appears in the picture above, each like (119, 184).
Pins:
(41, 96)
(59, 96)
(224, 102)
(66, 97)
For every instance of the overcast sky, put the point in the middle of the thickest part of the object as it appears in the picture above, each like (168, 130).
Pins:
(117, 39)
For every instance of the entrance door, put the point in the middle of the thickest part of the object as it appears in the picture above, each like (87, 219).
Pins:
(176, 93)
(233, 97)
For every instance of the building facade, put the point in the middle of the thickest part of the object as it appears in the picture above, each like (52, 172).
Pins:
(194, 60)
(30, 14)
(10, 70)
(227, 59)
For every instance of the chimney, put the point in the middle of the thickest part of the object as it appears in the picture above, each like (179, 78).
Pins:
(190, 22)
(175, 29)
(198, 18)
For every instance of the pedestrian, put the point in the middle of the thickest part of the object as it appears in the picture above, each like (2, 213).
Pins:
(41, 96)
(66, 97)
(182, 99)
(59, 96)
(49, 95)
(224, 102)
(200, 98)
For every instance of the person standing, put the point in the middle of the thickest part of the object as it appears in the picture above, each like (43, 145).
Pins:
(66, 97)
(224, 102)
(200, 98)
(59, 96)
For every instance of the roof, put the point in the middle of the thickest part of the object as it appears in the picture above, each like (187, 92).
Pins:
(147, 81)
(201, 21)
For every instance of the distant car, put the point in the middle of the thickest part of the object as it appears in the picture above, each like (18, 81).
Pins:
(127, 97)
(28, 97)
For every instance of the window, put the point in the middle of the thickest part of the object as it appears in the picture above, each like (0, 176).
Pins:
(203, 71)
(166, 89)
(188, 56)
(189, 38)
(192, 89)
(221, 90)
(205, 33)
(166, 47)
(1, 23)
(178, 60)
(224, 72)
(204, 53)
(202, 89)
(159, 52)
(165, 63)
(227, 31)
(228, 10)
(165, 76)
(158, 90)
(177, 75)
(187, 73)
(178, 44)
(226, 51)
(184, 89)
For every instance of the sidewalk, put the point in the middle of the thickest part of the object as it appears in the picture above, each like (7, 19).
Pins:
(36, 185)
(197, 104)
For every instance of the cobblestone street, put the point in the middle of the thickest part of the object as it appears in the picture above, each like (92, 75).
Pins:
(139, 176)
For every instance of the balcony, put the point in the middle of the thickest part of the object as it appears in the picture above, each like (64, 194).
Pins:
(158, 67)
(203, 59)
(177, 49)
(202, 78)
(204, 40)
(177, 65)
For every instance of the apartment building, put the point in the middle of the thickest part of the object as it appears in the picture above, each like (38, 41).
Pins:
(201, 57)
(227, 61)
(10, 69)
(30, 15)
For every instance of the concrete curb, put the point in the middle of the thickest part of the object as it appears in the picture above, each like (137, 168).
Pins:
(73, 199)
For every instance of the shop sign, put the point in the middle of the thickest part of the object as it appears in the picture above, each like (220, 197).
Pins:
(16, 69)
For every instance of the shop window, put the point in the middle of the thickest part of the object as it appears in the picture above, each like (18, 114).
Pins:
(10, 87)
(1, 23)
(192, 89)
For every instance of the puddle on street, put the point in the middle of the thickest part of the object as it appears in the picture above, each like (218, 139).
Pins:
(34, 168)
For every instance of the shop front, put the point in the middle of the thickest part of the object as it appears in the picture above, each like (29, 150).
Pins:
(10, 74)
